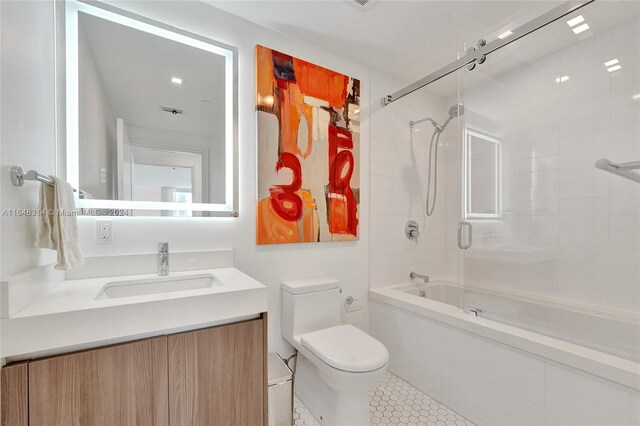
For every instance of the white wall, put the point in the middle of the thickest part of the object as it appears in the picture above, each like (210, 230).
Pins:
(348, 261)
(28, 140)
(399, 184)
(27, 122)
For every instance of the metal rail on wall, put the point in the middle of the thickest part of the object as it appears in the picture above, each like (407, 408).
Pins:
(477, 55)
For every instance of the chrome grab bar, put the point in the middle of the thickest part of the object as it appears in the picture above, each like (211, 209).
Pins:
(622, 169)
(468, 235)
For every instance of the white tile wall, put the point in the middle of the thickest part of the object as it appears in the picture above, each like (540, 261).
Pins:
(490, 383)
(398, 186)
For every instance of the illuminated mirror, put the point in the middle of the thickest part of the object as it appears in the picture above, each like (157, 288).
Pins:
(482, 180)
(151, 116)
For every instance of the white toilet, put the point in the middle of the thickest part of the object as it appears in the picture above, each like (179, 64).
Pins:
(337, 364)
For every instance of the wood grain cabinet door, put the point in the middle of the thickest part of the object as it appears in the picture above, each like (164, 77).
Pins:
(216, 376)
(117, 385)
(14, 404)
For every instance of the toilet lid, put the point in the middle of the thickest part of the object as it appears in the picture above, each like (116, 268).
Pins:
(346, 348)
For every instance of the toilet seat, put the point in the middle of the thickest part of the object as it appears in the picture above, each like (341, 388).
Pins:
(346, 348)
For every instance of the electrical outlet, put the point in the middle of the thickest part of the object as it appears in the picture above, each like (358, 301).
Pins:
(104, 232)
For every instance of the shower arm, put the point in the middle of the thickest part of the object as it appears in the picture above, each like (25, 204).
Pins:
(435, 123)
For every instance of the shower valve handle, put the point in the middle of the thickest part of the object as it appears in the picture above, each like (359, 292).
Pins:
(412, 230)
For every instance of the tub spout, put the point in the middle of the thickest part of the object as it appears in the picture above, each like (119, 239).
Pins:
(424, 278)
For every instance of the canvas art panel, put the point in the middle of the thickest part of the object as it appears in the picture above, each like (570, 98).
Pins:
(308, 136)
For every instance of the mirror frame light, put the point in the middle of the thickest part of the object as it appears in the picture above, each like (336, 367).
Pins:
(72, 10)
(466, 193)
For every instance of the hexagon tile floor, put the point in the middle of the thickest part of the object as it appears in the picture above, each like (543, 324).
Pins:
(396, 402)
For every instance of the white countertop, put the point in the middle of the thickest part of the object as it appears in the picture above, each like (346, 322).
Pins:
(70, 317)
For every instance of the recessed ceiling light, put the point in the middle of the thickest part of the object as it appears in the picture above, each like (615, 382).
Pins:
(614, 68)
(636, 96)
(581, 28)
(505, 34)
(575, 21)
(562, 79)
(176, 80)
(611, 63)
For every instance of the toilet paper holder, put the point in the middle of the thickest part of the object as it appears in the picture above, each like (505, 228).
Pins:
(349, 304)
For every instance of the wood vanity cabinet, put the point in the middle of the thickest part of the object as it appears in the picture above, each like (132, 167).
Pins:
(117, 385)
(212, 376)
(216, 376)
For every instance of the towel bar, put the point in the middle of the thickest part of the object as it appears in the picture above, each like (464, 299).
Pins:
(18, 176)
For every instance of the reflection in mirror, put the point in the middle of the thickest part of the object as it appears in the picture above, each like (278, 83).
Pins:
(155, 116)
(482, 180)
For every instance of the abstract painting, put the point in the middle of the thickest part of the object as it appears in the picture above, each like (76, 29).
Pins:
(308, 129)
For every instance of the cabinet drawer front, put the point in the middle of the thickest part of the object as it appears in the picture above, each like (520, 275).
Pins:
(216, 376)
(118, 385)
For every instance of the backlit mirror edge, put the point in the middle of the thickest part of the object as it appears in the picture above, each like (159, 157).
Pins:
(466, 192)
(70, 154)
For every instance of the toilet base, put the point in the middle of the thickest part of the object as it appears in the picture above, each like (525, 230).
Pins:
(329, 406)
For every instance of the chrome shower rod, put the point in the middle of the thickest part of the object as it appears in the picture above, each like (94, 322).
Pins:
(478, 54)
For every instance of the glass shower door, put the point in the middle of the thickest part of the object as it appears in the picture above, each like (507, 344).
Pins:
(555, 244)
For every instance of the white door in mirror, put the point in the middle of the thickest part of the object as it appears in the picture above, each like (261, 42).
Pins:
(130, 288)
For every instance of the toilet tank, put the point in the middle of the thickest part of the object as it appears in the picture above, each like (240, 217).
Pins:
(309, 305)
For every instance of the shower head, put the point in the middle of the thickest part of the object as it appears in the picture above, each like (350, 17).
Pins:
(456, 111)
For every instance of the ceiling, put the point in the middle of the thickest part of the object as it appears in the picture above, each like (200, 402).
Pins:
(404, 39)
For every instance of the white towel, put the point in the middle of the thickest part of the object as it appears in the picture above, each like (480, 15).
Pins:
(57, 224)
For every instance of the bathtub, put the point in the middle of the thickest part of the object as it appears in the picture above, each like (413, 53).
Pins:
(619, 336)
(561, 364)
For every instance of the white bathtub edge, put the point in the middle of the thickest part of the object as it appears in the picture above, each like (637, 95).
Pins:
(610, 367)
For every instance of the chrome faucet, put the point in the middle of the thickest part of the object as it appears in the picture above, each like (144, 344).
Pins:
(424, 278)
(163, 259)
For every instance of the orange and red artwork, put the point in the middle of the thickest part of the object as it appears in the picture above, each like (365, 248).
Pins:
(308, 129)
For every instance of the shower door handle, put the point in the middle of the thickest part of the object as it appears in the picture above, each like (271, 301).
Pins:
(465, 239)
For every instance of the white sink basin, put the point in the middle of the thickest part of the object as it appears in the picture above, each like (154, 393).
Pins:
(129, 288)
